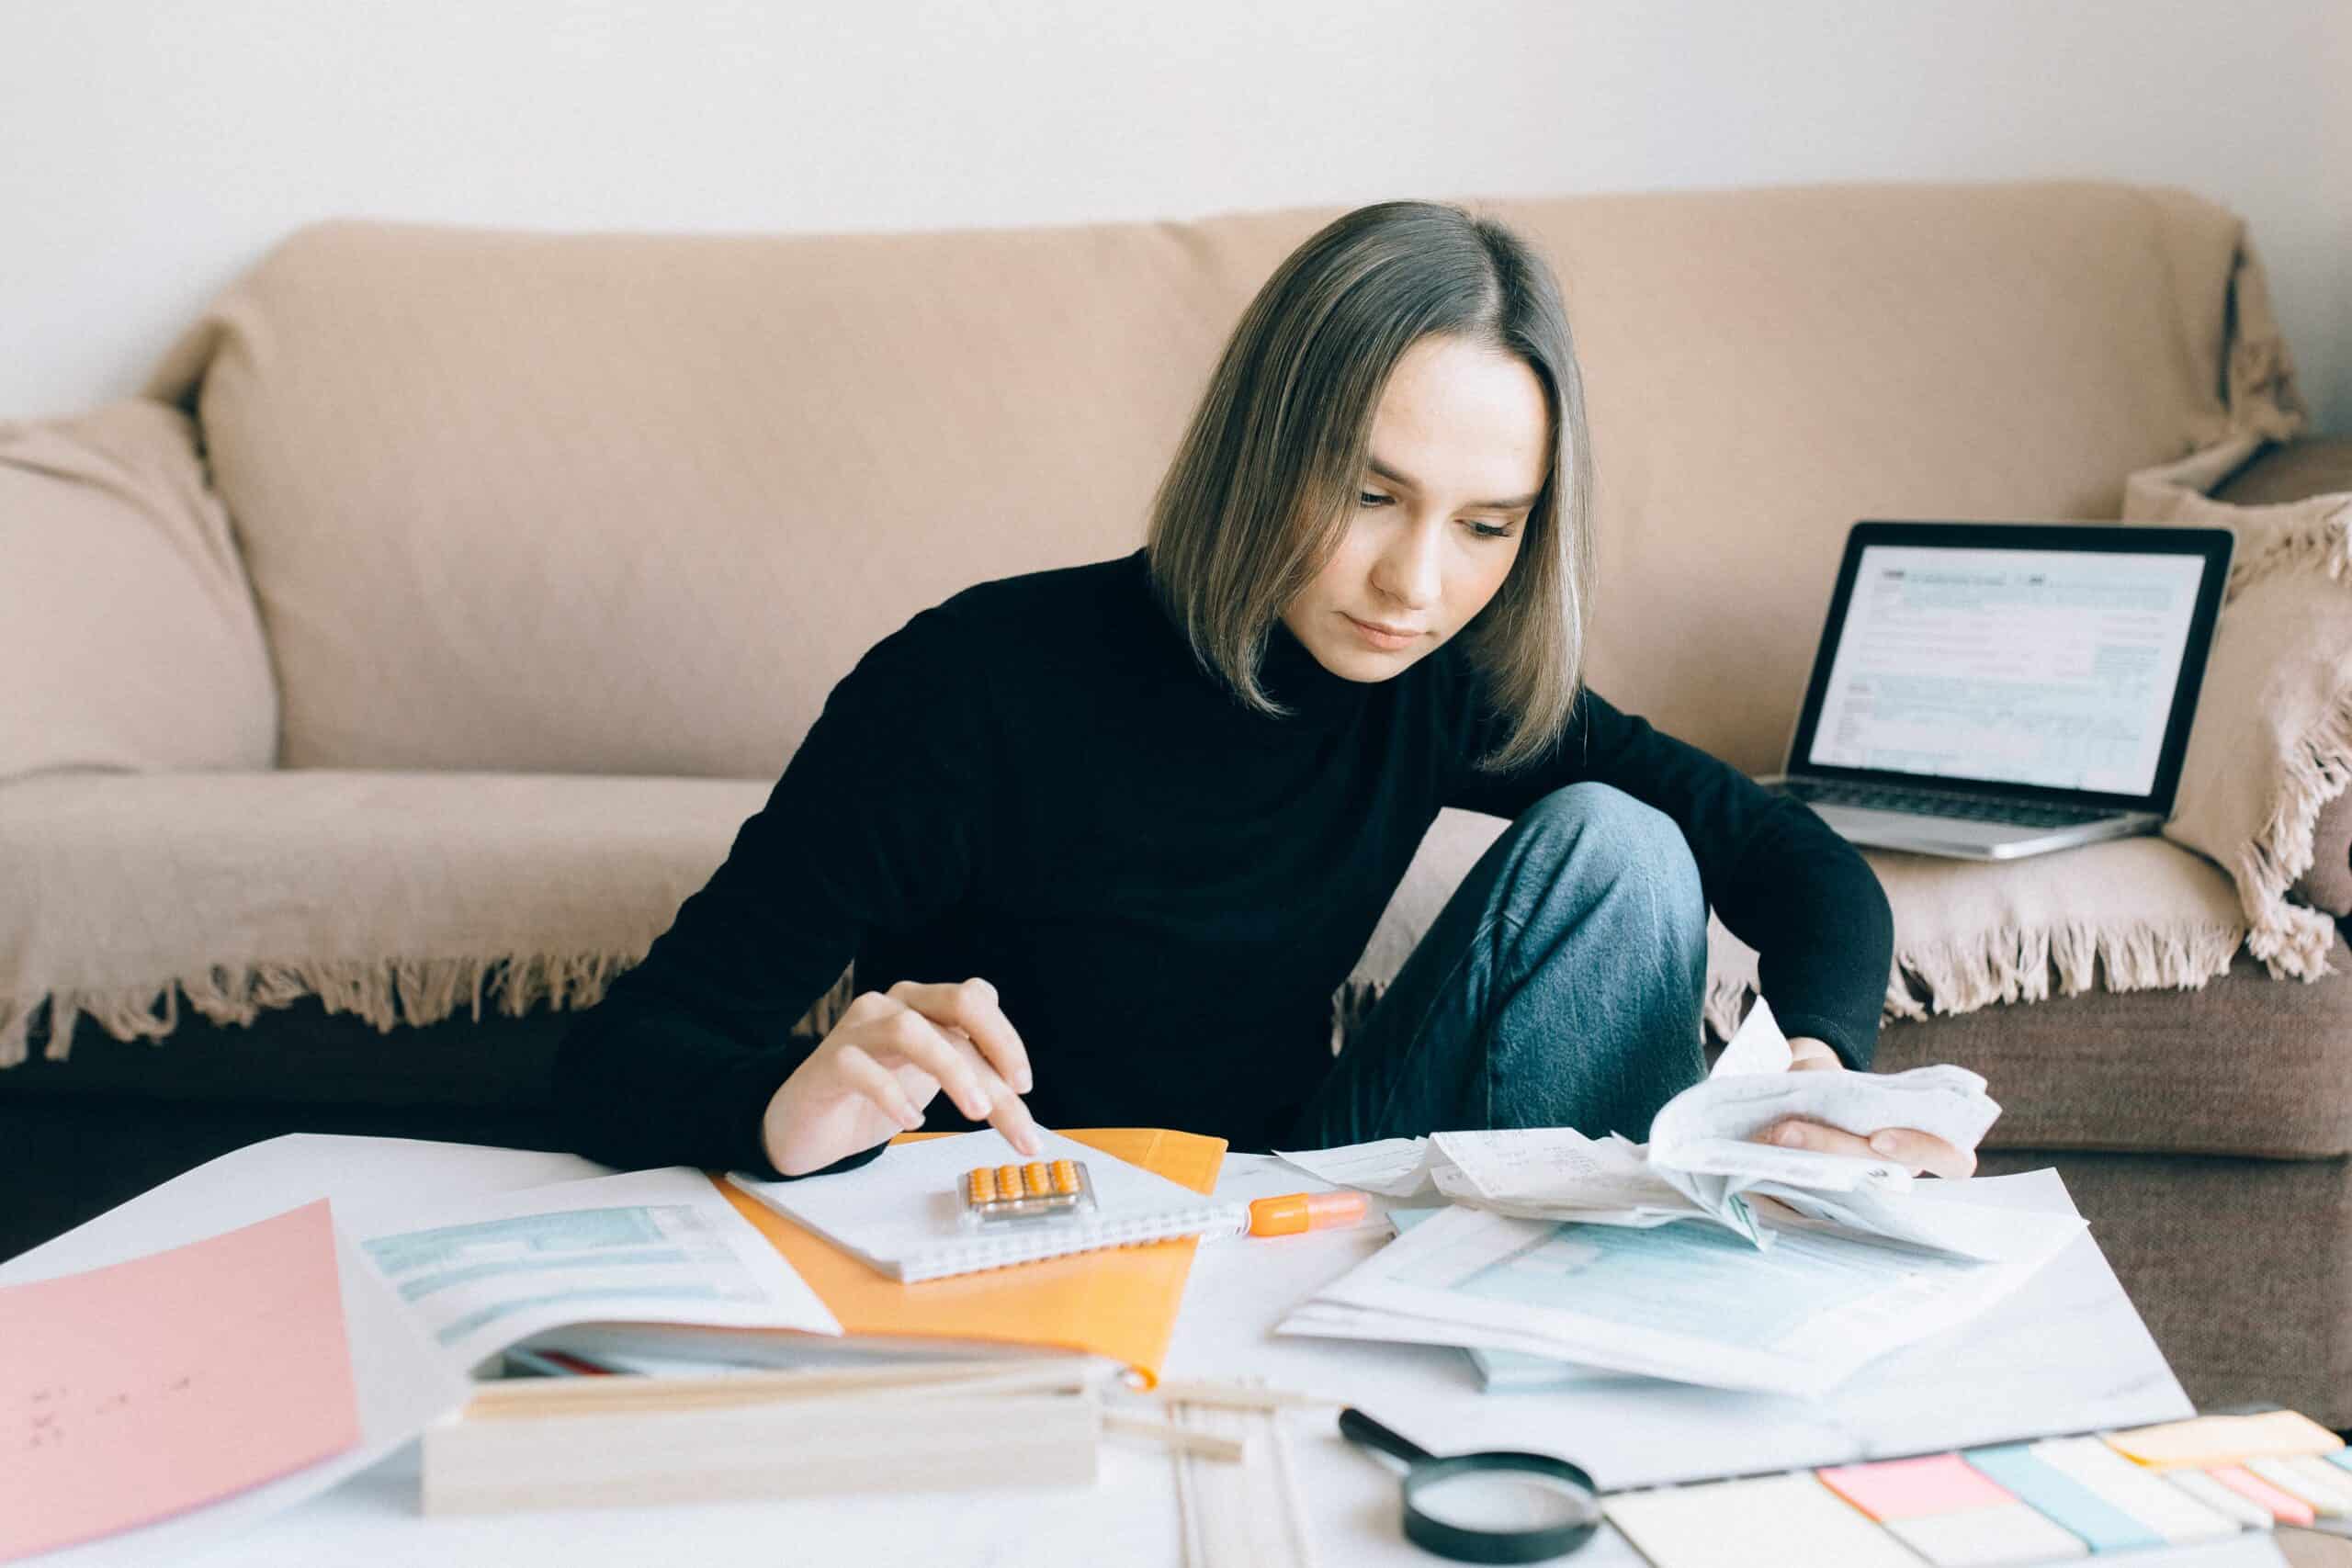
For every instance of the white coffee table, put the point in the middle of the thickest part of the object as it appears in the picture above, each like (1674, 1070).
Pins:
(2066, 1353)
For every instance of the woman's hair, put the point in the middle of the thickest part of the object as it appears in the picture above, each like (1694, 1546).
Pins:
(1262, 488)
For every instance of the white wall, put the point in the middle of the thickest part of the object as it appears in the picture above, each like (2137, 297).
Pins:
(149, 151)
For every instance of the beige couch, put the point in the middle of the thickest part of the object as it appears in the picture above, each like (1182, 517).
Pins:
(393, 668)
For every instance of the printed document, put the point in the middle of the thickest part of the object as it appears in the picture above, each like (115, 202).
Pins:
(1686, 1302)
(651, 1246)
(1701, 1161)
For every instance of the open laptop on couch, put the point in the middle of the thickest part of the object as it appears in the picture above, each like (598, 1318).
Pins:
(1992, 690)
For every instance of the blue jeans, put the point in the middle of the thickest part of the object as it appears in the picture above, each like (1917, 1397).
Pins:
(1560, 987)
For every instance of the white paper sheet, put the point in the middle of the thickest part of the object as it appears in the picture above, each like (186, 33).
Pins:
(401, 1385)
(651, 1246)
(1395, 1167)
(1703, 1160)
(1756, 1047)
(1682, 1303)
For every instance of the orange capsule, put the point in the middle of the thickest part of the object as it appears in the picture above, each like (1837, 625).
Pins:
(1064, 1175)
(1035, 1181)
(1008, 1181)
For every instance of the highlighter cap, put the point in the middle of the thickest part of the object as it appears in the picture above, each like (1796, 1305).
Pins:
(1297, 1212)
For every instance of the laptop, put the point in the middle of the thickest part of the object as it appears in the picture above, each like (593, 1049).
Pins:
(1995, 690)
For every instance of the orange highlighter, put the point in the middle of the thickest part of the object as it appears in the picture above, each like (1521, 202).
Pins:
(1295, 1211)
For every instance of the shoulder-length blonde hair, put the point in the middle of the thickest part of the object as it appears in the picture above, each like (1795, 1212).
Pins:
(1262, 488)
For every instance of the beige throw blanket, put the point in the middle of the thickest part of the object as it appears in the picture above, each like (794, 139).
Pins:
(2272, 745)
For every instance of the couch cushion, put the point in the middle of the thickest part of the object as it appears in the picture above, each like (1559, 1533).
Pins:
(127, 637)
(399, 897)
(631, 503)
(2291, 471)
(2245, 1066)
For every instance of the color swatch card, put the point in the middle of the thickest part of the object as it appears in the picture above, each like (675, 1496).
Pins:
(1736, 1524)
(1950, 1513)
(2327, 1487)
(2283, 1507)
(2178, 1519)
(2011, 1504)
(136, 1391)
(2226, 1440)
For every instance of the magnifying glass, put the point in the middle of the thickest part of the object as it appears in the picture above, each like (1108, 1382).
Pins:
(1495, 1507)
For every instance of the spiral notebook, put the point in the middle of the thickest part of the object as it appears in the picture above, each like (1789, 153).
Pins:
(900, 1213)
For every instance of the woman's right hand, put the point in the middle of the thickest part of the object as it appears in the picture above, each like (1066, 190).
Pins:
(871, 1076)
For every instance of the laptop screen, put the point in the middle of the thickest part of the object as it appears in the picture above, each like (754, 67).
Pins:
(1954, 655)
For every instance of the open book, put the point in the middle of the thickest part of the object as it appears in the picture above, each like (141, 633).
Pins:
(1700, 1162)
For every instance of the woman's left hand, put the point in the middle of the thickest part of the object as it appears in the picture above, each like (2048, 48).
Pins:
(1914, 1150)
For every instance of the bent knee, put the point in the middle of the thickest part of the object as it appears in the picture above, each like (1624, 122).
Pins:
(1611, 832)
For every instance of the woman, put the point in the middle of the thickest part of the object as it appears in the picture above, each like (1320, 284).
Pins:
(1103, 840)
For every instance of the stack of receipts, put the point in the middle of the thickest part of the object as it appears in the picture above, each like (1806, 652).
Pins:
(1701, 1162)
(1803, 1268)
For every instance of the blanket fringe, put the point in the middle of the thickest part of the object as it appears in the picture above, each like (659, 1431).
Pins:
(1726, 1004)
(2014, 964)
(2289, 938)
(2321, 545)
(2021, 963)
(387, 993)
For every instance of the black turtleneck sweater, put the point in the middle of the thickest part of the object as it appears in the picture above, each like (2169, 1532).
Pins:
(1037, 783)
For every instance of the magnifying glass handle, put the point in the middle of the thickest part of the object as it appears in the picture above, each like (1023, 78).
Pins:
(1359, 1427)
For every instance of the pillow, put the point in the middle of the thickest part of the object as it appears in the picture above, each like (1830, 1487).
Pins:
(2271, 748)
(127, 634)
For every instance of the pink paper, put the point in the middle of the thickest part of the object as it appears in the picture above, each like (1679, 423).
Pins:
(138, 1390)
(1909, 1488)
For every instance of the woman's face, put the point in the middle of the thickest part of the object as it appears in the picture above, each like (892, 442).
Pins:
(1461, 445)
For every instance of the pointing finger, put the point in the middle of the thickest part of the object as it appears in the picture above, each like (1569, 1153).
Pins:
(972, 1007)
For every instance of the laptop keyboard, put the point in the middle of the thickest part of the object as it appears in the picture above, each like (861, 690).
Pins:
(1942, 803)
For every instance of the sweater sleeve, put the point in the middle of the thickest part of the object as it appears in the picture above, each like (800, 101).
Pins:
(1773, 870)
(874, 823)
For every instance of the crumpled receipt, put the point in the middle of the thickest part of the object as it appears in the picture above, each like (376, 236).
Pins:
(1701, 1161)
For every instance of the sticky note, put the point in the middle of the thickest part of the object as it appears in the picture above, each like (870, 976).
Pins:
(1987, 1538)
(1906, 1488)
(2285, 1507)
(2328, 1489)
(1719, 1525)
(2221, 1499)
(2170, 1512)
(2225, 1439)
(145, 1388)
(2065, 1500)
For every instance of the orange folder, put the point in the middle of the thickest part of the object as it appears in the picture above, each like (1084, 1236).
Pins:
(1120, 1302)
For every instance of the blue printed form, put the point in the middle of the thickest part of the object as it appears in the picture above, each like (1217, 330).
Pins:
(1812, 1307)
(652, 1246)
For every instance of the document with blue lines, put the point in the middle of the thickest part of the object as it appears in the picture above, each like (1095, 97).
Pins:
(650, 1246)
(1691, 1304)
